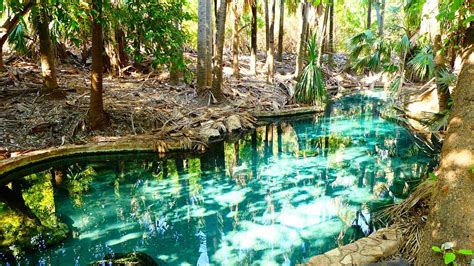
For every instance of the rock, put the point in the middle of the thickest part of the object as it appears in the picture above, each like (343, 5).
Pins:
(232, 123)
(128, 259)
(208, 133)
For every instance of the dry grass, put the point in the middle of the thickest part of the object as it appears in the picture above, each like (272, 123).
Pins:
(410, 217)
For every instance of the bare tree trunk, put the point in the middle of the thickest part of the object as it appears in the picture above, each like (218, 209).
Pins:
(210, 43)
(382, 18)
(220, 34)
(98, 119)
(48, 68)
(174, 65)
(10, 24)
(301, 40)
(379, 17)
(331, 33)
(235, 40)
(451, 217)
(281, 31)
(322, 37)
(253, 40)
(439, 60)
(369, 14)
(201, 78)
(271, 44)
(267, 26)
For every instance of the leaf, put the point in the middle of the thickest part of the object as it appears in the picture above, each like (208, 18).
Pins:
(436, 249)
(466, 252)
(449, 257)
(432, 176)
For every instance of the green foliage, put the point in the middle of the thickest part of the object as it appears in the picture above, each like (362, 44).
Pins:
(447, 78)
(423, 63)
(449, 254)
(368, 51)
(18, 37)
(310, 88)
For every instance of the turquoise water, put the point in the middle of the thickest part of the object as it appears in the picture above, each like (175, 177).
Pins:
(286, 192)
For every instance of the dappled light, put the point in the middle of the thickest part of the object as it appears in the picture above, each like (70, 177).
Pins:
(302, 185)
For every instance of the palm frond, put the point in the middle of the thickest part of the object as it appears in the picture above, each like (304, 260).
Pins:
(447, 78)
(17, 37)
(423, 63)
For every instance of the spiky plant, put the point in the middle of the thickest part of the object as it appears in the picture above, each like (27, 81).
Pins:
(422, 63)
(402, 48)
(311, 88)
(368, 51)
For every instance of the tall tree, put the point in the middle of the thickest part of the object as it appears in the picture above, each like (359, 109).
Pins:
(98, 119)
(267, 26)
(10, 24)
(331, 33)
(253, 39)
(209, 41)
(380, 10)
(218, 64)
(47, 57)
(322, 36)
(271, 44)
(281, 30)
(451, 218)
(202, 45)
(369, 14)
(303, 21)
(235, 39)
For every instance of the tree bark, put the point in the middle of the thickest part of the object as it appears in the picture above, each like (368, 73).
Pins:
(271, 44)
(210, 43)
(10, 24)
(451, 217)
(379, 17)
(220, 34)
(201, 70)
(267, 26)
(253, 40)
(301, 40)
(48, 68)
(331, 33)
(281, 31)
(369, 14)
(235, 40)
(442, 89)
(98, 119)
(322, 37)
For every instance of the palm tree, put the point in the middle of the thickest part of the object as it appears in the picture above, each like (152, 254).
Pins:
(280, 31)
(202, 45)
(253, 39)
(98, 119)
(48, 68)
(235, 40)
(302, 13)
(218, 64)
(271, 44)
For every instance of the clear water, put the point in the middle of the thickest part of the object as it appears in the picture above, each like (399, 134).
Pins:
(288, 191)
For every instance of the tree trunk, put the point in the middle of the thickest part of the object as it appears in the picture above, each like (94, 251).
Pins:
(253, 40)
(48, 68)
(235, 40)
(220, 34)
(369, 14)
(442, 89)
(331, 33)
(10, 24)
(271, 44)
(201, 70)
(382, 18)
(301, 40)
(267, 26)
(379, 17)
(210, 43)
(322, 30)
(281, 31)
(174, 64)
(451, 217)
(98, 119)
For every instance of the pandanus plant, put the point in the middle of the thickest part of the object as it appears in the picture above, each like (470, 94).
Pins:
(311, 88)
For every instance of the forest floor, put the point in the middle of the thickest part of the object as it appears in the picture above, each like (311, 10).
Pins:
(137, 103)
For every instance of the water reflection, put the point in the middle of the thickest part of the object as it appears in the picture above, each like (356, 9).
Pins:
(287, 191)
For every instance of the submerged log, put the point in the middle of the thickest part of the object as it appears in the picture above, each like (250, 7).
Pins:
(290, 112)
